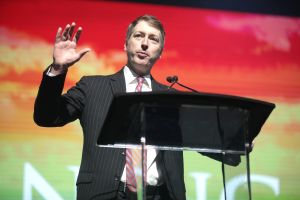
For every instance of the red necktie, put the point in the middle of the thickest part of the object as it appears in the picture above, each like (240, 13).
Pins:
(134, 156)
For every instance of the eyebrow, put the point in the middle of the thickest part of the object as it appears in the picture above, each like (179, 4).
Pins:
(151, 34)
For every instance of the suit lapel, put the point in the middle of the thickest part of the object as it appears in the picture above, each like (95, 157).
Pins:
(117, 82)
(156, 86)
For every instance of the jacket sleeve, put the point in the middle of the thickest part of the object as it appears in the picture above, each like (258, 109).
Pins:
(52, 109)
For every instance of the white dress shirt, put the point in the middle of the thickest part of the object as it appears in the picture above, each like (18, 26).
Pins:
(131, 83)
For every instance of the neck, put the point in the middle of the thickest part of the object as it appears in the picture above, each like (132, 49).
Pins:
(136, 72)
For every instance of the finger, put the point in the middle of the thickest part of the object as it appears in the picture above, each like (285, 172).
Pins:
(58, 33)
(65, 33)
(77, 35)
(71, 30)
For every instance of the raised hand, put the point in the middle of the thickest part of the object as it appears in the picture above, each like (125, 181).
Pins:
(64, 53)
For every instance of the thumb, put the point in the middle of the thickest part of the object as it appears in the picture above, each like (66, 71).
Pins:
(83, 52)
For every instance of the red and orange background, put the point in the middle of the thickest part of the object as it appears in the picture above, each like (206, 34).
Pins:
(244, 54)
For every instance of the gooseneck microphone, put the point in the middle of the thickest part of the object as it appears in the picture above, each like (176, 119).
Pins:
(174, 80)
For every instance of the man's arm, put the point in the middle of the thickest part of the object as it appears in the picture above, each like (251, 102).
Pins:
(52, 109)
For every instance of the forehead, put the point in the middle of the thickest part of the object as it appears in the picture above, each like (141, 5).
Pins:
(145, 27)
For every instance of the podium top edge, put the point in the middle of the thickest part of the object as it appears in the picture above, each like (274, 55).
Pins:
(211, 97)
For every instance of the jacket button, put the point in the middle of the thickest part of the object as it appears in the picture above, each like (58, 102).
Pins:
(123, 153)
(116, 178)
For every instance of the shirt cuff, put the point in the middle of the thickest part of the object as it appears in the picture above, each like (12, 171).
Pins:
(48, 73)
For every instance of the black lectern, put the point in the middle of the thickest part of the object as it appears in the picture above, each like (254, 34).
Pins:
(219, 126)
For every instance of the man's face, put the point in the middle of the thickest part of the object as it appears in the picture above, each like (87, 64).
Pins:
(143, 48)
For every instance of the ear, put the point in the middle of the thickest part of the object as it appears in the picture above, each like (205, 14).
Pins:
(160, 54)
(125, 48)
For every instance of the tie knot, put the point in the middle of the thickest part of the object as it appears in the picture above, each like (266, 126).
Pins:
(140, 81)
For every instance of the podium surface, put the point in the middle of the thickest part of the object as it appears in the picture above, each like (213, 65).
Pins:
(184, 121)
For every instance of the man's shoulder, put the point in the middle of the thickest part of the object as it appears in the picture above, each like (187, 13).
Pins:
(157, 86)
(94, 77)
(98, 77)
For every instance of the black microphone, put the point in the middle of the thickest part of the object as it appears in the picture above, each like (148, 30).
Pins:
(174, 80)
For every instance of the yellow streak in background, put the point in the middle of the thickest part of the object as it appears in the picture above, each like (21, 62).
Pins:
(21, 53)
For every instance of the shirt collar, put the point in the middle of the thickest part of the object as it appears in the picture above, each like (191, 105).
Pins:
(130, 77)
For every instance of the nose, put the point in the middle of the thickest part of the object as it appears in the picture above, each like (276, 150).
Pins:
(144, 44)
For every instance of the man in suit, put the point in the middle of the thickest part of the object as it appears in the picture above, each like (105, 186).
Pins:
(103, 171)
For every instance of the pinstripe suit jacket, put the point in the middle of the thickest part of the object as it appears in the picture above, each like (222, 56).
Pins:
(89, 101)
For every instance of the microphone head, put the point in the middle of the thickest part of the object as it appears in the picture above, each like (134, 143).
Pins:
(172, 79)
(169, 79)
(175, 78)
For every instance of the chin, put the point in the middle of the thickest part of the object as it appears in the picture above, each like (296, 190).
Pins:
(140, 67)
(141, 70)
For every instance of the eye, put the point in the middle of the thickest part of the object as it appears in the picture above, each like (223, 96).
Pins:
(137, 35)
(154, 38)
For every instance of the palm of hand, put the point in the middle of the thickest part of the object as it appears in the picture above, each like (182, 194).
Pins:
(65, 53)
